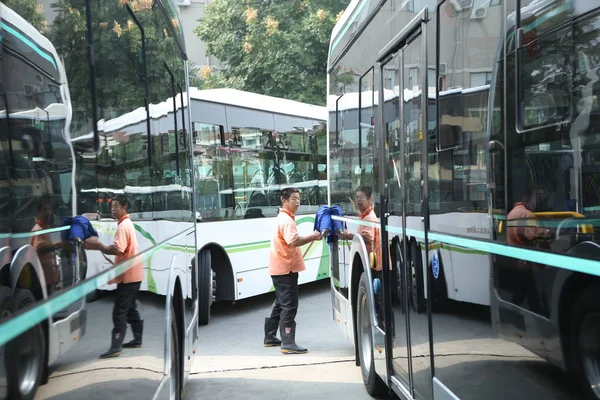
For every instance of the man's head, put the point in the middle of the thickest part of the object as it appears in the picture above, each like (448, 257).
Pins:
(363, 198)
(44, 212)
(538, 201)
(119, 206)
(290, 199)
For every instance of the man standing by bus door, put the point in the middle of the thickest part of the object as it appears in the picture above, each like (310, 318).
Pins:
(128, 284)
(285, 262)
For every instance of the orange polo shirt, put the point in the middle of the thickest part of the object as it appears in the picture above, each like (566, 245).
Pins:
(126, 242)
(372, 236)
(46, 256)
(284, 259)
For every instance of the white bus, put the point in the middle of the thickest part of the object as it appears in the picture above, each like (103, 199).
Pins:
(247, 147)
(474, 124)
(56, 88)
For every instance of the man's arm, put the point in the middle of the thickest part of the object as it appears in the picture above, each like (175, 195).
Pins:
(110, 250)
(94, 243)
(302, 240)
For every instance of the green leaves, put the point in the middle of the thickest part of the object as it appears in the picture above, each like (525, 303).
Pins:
(277, 48)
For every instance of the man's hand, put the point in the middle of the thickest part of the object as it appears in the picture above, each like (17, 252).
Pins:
(316, 235)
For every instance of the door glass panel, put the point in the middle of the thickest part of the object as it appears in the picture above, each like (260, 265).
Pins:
(391, 122)
(413, 69)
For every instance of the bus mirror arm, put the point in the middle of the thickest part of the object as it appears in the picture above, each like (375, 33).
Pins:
(495, 146)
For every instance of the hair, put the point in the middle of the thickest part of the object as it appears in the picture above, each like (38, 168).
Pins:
(122, 200)
(43, 201)
(287, 193)
(366, 190)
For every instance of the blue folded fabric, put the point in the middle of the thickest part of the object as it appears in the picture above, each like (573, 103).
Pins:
(81, 227)
(323, 221)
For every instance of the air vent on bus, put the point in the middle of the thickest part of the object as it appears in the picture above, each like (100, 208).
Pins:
(443, 69)
(464, 4)
(478, 12)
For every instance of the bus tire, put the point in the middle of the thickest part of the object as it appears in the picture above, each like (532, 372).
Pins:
(398, 290)
(373, 382)
(25, 354)
(5, 302)
(417, 288)
(176, 381)
(584, 328)
(205, 283)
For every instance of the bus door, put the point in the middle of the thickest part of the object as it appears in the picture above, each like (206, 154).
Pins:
(403, 71)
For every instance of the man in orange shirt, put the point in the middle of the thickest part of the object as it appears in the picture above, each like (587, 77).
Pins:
(285, 261)
(128, 284)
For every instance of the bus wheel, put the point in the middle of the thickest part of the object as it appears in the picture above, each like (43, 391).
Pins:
(25, 354)
(417, 285)
(398, 282)
(175, 358)
(205, 290)
(5, 302)
(584, 348)
(373, 383)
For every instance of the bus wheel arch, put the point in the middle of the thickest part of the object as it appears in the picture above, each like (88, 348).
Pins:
(24, 378)
(357, 271)
(178, 310)
(581, 339)
(373, 382)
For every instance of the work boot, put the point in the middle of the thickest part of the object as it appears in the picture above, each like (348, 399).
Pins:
(115, 344)
(288, 340)
(137, 328)
(271, 326)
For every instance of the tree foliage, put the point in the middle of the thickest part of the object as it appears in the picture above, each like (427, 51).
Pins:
(273, 47)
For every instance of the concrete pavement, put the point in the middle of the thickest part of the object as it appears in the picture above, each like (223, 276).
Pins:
(231, 361)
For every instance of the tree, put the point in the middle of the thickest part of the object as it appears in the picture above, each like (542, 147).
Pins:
(118, 56)
(273, 47)
(30, 11)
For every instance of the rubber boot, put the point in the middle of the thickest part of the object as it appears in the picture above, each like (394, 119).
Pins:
(115, 344)
(138, 329)
(271, 326)
(288, 340)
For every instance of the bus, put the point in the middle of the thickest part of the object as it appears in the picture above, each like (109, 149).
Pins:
(69, 72)
(473, 124)
(245, 149)
(248, 147)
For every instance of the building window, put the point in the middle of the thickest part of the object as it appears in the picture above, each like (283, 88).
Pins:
(480, 78)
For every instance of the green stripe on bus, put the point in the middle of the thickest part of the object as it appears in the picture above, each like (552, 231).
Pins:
(231, 246)
(28, 319)
(249, 248)
(36, 233)
(554, 260)
(348, 24)
(29, 43)
(539, 21)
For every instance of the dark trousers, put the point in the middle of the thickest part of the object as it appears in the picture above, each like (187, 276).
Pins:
(286, 298)
(125, 309)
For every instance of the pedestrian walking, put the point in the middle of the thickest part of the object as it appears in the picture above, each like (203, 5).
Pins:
(285, 262)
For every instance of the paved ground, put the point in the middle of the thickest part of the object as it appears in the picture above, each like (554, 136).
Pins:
(231, 361)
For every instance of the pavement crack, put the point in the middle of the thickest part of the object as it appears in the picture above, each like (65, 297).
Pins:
(86, 371)
(215, 371)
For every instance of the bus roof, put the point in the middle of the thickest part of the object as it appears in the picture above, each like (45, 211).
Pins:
(259, 102)
(226, 97)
